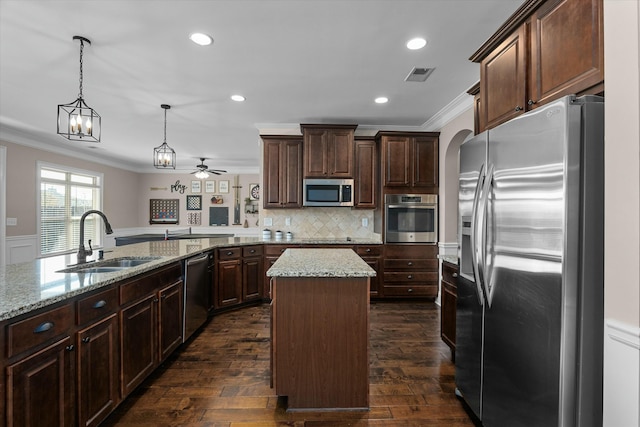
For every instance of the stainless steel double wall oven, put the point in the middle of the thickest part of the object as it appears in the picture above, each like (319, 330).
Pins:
(411, 218)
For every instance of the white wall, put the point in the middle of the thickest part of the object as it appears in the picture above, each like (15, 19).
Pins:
(622, 213)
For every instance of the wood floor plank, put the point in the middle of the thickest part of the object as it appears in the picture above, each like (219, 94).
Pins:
(220, 378)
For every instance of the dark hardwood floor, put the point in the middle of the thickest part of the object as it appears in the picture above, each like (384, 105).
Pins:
(221, 377)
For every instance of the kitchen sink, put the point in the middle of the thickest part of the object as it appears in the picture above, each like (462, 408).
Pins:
(108, 266)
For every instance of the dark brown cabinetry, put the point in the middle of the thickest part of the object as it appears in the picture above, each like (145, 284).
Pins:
(252, 273)
(410, 271)
(449, 296)
(366, 173)
(328, 150)
(372, 255)
(147, 323)
(535, 57)
(97, 343)
(40, 372)
(282, 172)
(409, 161)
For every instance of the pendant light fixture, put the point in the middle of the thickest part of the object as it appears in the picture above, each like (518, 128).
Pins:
(76, 120)
(164, 156)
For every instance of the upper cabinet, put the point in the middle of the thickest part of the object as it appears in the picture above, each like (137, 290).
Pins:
(328, 151)
(282, 172)
(409, 161)
(365, 179)
(537, 57)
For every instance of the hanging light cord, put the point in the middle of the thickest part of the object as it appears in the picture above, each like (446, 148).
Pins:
(81, 50)
(165, 125)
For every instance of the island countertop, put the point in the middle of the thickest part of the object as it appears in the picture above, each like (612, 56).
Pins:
(29, 286)
(321, 262)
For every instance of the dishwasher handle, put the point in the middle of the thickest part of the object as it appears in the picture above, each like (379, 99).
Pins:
(198, 260)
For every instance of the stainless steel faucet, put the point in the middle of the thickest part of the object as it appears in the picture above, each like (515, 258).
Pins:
(82, 252)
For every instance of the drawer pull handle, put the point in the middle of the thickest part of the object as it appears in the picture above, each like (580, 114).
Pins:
(368, 250)
(100, 304)
(43, 327)
(229, 253)
(252, 251)
(86, 339)
(410, 290)
(410, 263)
(409, 276)
(454, 275)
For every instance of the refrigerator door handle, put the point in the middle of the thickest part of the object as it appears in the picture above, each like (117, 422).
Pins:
(483, 269)
(473, 241)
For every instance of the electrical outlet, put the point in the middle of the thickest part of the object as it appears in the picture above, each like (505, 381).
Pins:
(287, 221)
(268, 222)
(365, 222)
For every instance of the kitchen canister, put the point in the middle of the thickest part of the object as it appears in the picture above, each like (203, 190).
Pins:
(266, 234)
(278, 235)
(289, 235)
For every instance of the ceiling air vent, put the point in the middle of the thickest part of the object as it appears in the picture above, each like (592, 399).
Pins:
(419, 74)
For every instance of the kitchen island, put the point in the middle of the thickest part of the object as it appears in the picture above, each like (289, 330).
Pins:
(320, 329)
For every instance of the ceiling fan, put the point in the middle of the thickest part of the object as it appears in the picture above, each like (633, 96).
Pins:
(203, 171)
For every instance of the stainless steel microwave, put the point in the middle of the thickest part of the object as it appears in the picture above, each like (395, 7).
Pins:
(327, 192)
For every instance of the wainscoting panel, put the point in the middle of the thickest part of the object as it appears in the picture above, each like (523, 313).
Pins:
(21, 249)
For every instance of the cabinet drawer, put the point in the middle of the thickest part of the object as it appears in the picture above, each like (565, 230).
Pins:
(404, 251)
(276, 250)
(248, 251)
(229, 253)
(410, 291)
(450, 273)
(411, 276)
(369, 250)
(143, 285)
(97, 305)
(38, 329)
(411, 264)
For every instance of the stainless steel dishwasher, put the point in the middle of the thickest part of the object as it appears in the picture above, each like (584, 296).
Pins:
(196, 293)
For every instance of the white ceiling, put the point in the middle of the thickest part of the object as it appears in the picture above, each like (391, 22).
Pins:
(295, 61)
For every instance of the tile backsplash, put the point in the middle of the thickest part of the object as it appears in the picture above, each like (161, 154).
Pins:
(321, 222)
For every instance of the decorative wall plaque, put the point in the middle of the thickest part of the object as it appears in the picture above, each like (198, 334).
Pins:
(164, 211)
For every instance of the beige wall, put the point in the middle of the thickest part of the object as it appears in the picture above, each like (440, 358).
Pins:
(159, 186)
(452, 135)
(622, 161)
(119, 199)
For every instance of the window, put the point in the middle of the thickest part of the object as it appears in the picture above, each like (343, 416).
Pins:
(64, 195)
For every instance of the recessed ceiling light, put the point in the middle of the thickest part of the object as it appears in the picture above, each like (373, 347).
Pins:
(201, 39)
(382, 100)
(417, 43)
(238, 98)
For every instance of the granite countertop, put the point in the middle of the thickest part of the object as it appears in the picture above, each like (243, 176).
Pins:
(451, 259)
(29, 286)
(320, 263)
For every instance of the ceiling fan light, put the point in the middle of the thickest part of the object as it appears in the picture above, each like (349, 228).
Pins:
(201, 175)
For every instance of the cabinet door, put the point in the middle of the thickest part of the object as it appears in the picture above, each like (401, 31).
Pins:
(374, 282)
(98, 371)
(396, 158)
(138, 352)
(565, 59)
(315, 153)
(365, 174)
(292, 175)
(272, 186)
(503, 80)
(229, 286)
(340, 153)
(171, 316)
(448, 315)
(40, 391)
(425, 161)
(252, 277)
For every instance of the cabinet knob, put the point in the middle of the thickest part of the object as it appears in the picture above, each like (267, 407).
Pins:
(70, 347)
(410, 290)
(253, 251)
(518, 108)
(409, 276)
(368, 250)
(410, 263)
(229, 253)
(531, 102)
(86, 339)
(100, 304)
(155, 300)
(43, 327)
(454, 275)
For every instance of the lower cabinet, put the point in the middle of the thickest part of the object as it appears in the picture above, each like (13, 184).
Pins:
(372, 255)
(252, 273)
(40, 391)
(240, 276)
(171, 300)
(449, 298)
(410, 271)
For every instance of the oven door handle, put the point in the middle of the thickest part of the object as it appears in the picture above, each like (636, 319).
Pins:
(421, 206)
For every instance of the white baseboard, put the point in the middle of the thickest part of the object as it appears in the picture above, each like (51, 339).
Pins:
(621, 390)
(21, 249)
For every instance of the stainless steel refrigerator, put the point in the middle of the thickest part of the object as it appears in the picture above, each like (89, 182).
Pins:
(529, 327)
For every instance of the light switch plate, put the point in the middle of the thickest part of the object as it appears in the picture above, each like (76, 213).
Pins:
(287, 221)
(365, 222)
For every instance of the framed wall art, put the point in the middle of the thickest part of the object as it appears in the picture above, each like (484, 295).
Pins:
(209, 186)
(164, 211)
(254, 191)
(223, 186)
(195, 187)
(194, 203)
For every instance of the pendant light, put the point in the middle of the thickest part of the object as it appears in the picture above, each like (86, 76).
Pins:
(76, 120)
(164, 156)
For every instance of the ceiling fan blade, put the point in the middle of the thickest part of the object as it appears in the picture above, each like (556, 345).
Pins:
(213, 172)
(217, 171)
